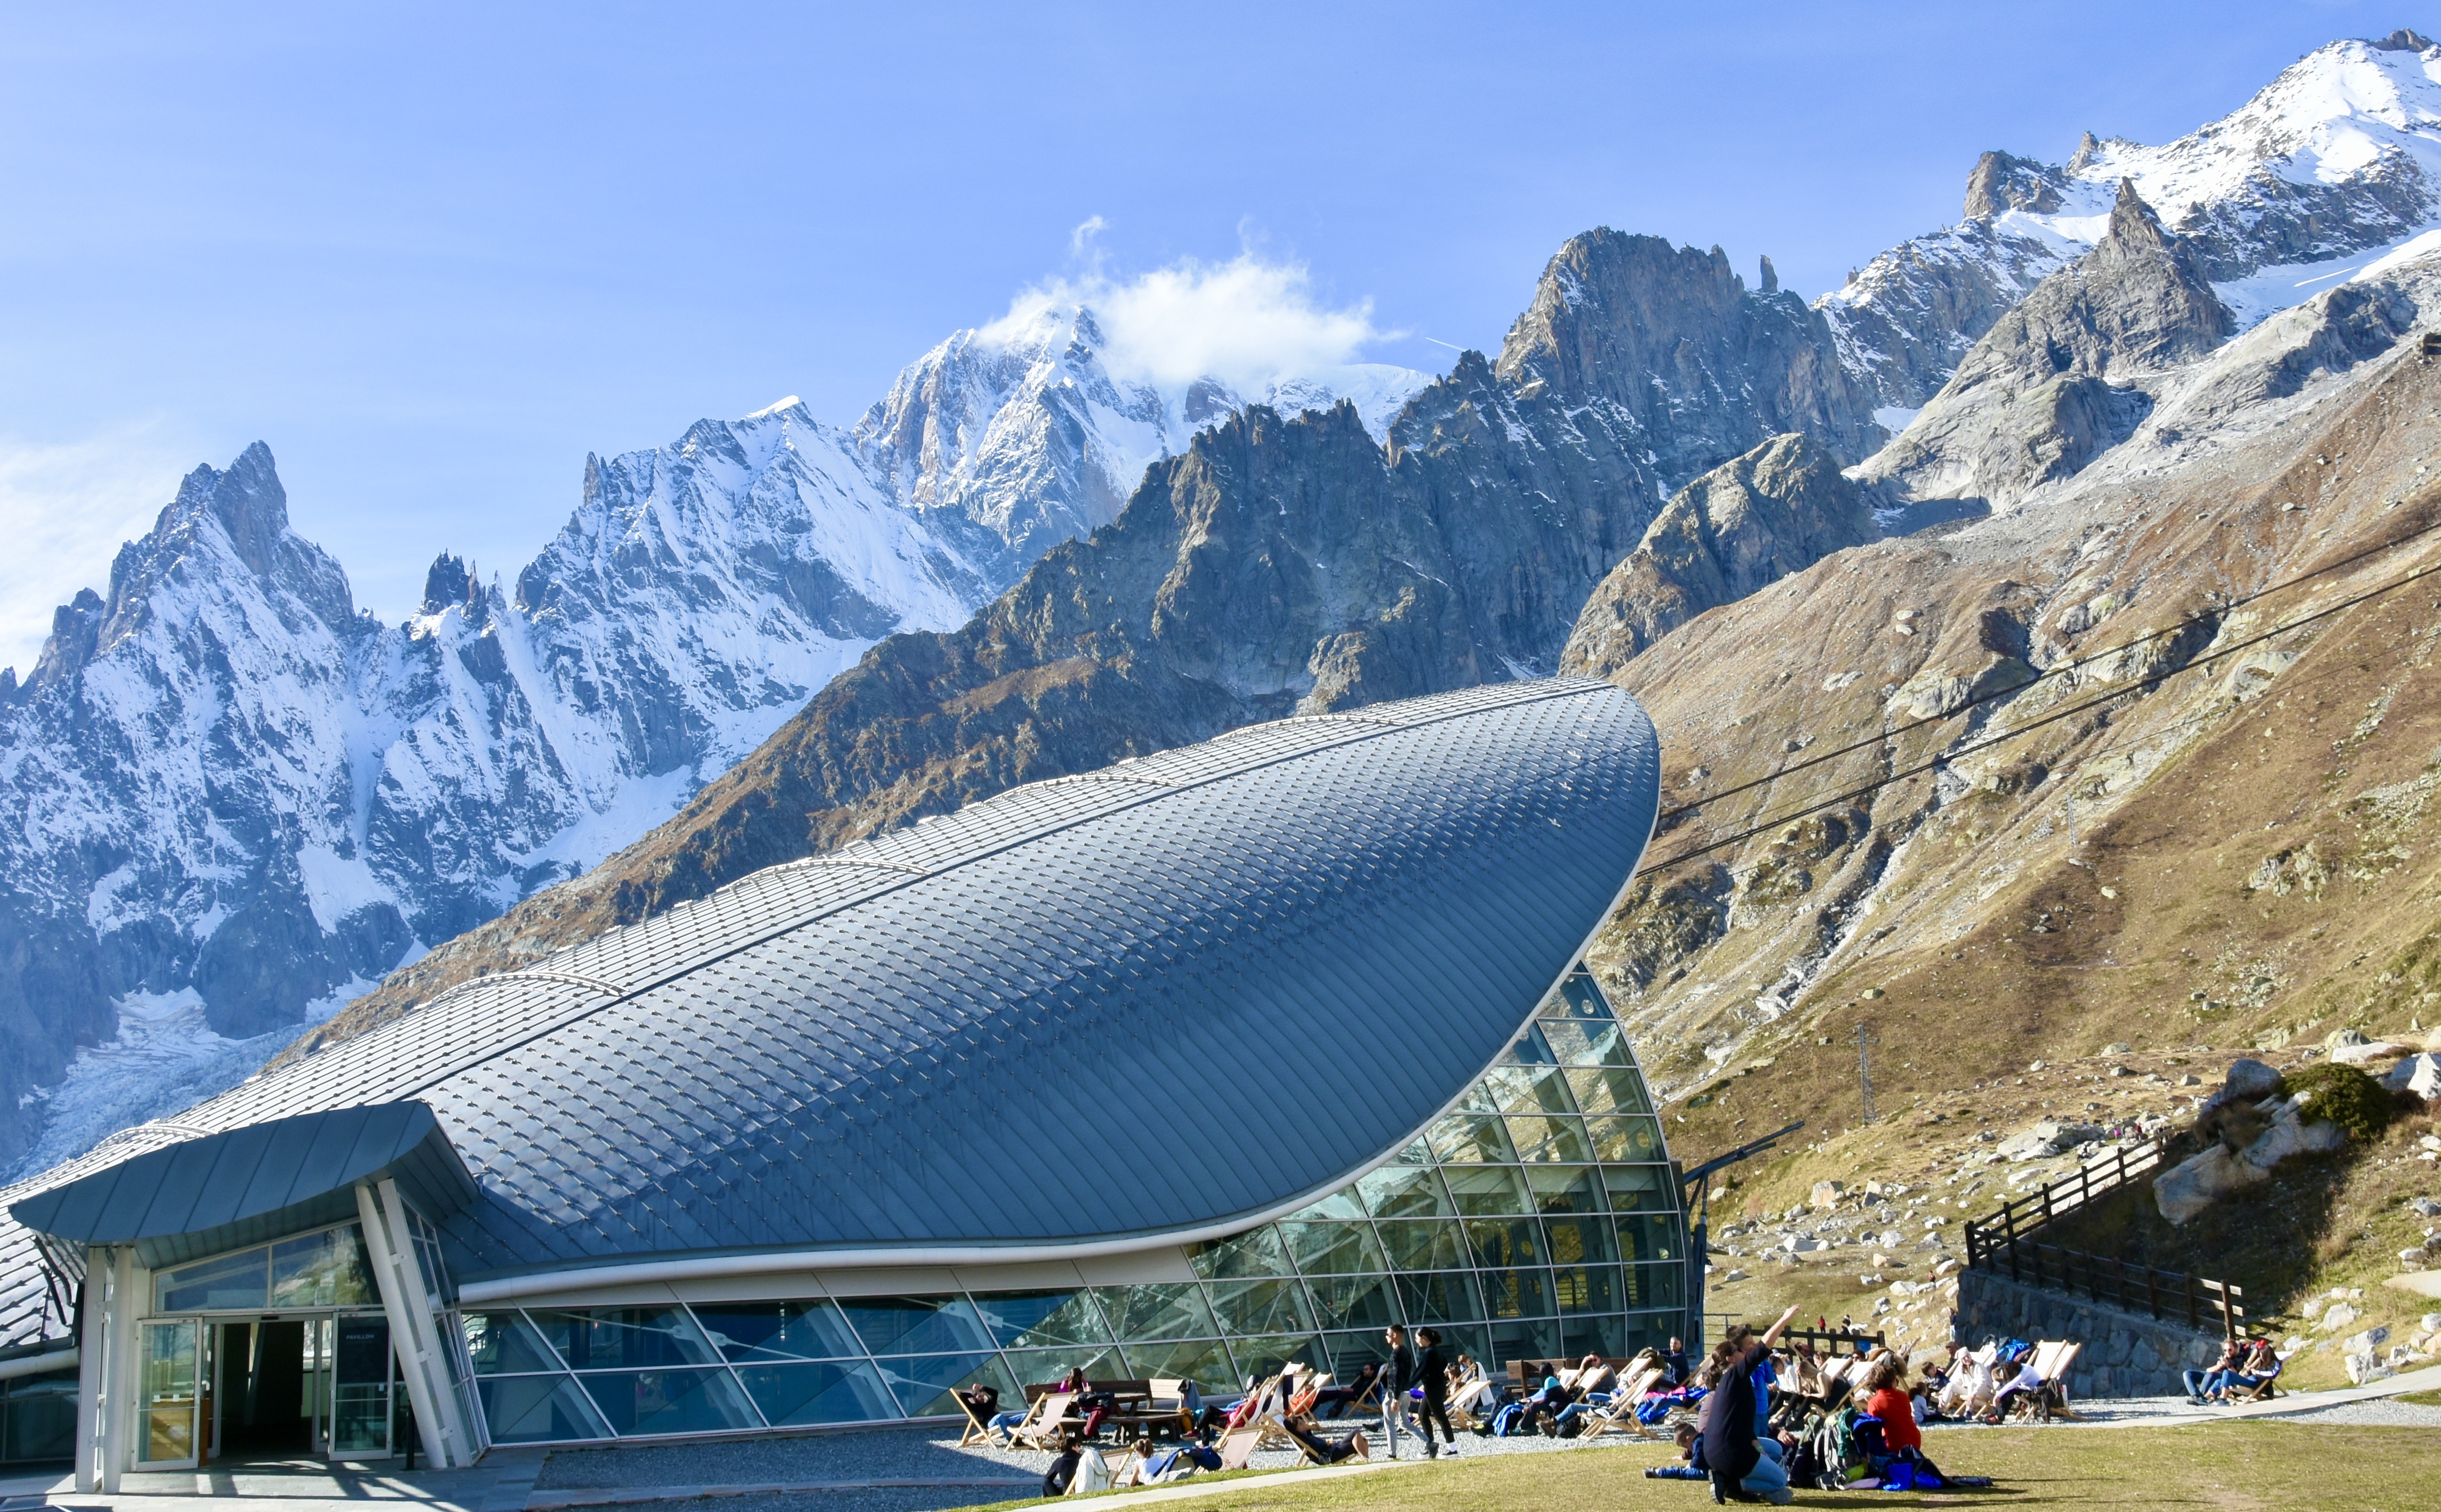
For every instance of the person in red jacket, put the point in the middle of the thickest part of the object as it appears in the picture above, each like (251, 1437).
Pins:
(1887, 1399)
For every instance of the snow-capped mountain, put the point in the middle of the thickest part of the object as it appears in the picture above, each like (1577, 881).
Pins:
(1028, 434)
(2333, 164)
(240, 801)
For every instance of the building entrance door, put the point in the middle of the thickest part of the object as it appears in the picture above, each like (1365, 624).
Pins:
(268, 1406)
(170, 1408)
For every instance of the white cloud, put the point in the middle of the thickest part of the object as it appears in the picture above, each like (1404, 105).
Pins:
(64, 508)
(1246, 321)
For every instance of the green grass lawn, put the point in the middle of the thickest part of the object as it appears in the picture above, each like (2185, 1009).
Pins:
(2249, 1465)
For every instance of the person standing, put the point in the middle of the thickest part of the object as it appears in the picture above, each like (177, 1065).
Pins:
(1432, 1373)
(1397, 1377)
(1674, 1364)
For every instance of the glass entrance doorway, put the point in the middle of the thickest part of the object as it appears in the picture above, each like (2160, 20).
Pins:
(317, 1386)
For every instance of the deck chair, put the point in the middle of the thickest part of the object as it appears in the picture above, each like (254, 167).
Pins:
(1054, 1415)
(2261, 1391)
(1238, 1447)
(1618, 1416)
(1468, 1390)
(978, 1431)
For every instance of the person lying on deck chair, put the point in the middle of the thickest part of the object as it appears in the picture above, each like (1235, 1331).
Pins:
(2028, 1382)
(1328, 1452)
(1334, 1401)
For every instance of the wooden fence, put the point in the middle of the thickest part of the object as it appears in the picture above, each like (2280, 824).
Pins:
(2004, 1243)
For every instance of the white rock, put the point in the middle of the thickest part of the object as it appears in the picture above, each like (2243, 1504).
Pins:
(2420, 1074)
(2364, 1368)
(2430, 1323)
(2339, 1317)
(2425, 1207)
(2359, 1054)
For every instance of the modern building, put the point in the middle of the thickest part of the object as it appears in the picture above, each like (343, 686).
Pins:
(1207, 1061)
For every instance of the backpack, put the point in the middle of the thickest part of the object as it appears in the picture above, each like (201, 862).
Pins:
(1504, 1422)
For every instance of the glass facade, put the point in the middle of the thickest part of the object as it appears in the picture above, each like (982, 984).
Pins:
(1537, 1218)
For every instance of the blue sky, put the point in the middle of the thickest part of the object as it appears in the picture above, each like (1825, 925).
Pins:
(434, 255)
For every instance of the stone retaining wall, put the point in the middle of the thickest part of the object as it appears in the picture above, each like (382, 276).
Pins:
(2126, 1354)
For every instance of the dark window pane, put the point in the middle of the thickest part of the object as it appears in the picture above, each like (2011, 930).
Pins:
(623, 1338)
(1597, 1335)
(1651, 1237)
(1048, 1367)
(1405, 1192)
(1651, 1330)
(1474, 1341)
(1579, 1241)
(1609, 1090)
(1550, 1139)
(1502, 1242)
(1639, 1188)
(537, 1409)
(1657, 1286)
(1488, 1191)
(767, 1332)
(1437, 1297)
(1351, 1351)
(1470, 1138)
(1204, 1362)
(1255, 1252)
(503, 1344)
(914, 1324)
(923, 1383)
(1250, 1308)
(1340, 1204)
(1333, 1248)
(1033, 1320)
(1516, 1293)
(1355, 1302)
(1162, 1310)
(42, 1418)
(1417, 1246)
(1564, 1192)
(840, 1391)
(669, 1401)
(1586, 1288)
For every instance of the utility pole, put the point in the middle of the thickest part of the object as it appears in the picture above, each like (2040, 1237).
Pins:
(1865, 1043)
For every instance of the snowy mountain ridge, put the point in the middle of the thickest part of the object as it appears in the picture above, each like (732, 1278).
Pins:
(242, 801)
(2334, 163)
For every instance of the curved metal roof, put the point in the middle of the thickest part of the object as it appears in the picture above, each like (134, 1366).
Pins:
(1176, 992)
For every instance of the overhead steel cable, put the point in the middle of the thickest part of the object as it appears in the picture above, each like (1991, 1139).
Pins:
(2059, 670)
(2115, 691)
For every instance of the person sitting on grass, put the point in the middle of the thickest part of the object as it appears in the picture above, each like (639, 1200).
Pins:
(1886, 1400)
(1062, 1473)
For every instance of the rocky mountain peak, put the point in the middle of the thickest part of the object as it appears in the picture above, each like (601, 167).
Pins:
(2003, 182)
(249, 502)
(447, 582)
(1668, 342)
(1741, 527)
(2404, 40)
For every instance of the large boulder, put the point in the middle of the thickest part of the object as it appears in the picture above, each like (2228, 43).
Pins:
(2050, 1138)
(2196, 1182)
(2418, 1074)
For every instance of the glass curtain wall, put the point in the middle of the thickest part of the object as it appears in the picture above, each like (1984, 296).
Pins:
(1537, 1220)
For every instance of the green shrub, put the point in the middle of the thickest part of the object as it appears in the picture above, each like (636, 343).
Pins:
(2346, 1096)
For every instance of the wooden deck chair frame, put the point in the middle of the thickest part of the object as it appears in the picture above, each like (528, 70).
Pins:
(1173, 1388)
(978, 1430)
(1619, 1416)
